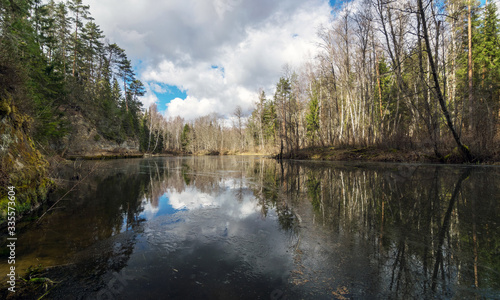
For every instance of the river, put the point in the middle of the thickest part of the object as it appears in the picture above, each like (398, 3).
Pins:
(246, 227)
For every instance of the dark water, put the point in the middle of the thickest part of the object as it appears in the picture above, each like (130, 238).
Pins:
(249, 228)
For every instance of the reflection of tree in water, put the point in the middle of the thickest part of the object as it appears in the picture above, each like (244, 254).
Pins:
(424, 230)
(99, 228)
(274, 192)
(114, 197)
(185, 174)
(286, 218)
(213, 175)
(94, 269)
(423, 224)
(101, 207)
(418, 220)
(313, 191)
(207, 174)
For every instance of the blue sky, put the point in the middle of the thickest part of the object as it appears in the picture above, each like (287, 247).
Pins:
(170, 94)
(163, 92)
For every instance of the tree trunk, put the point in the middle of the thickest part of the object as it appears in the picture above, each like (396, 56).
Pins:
(465, 151)
(377, 68)
(469, 66)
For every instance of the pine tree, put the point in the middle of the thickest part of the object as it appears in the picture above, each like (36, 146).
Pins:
(62, 25)
(282, 98)
(127, 76)
(185, 138)
(312, 118)
(488, 54)
(93, 50)
(81, 14)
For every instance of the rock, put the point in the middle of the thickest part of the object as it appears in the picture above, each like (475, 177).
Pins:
(21, 166)
(85, 141)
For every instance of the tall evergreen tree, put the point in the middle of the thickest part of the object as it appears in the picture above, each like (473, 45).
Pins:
(81, 14)
(312, 117)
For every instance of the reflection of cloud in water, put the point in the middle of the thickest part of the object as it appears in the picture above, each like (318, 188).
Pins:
(250, 246)
(191, 199)
(233, 198)
(229, 218)
(149, 210)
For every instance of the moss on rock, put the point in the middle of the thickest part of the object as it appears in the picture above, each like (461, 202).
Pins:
(21, 164)
(5, 109)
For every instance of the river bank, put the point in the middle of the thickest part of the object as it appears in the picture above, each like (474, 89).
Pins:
(364, 154)
(380, 154)
(370, 154)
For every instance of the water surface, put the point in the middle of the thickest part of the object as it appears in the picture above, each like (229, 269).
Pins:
(250, 228)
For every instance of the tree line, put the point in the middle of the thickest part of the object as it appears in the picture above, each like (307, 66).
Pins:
(211, 134)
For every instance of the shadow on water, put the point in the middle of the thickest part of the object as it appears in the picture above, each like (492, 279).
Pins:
(251, 228)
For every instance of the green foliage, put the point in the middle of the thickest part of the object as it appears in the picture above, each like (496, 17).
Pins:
(144, 134)
(185, 137)
(56, 60)
(462, 71)
(481, 114)
(314, 191)
(5, 108)
(270, 121)
(159, 142)
(312, 118)
(487, 60)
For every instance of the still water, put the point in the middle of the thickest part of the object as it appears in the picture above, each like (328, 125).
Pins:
(250, 228)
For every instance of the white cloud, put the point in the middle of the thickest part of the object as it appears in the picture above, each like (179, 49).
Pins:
(149, 97)
(158, 88)
(179, 42)
(191, 107)
(148, 209)
(192, 199)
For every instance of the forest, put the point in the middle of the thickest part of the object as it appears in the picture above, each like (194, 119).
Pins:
(55, 60)
(419, 75)
(411, 74)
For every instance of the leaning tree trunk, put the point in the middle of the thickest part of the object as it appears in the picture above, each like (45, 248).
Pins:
(439, 94)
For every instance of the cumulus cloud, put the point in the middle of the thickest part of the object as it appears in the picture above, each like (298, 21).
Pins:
(150, 97)
(220, 52)
(192, 199)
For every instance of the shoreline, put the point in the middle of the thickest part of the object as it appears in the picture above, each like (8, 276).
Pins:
(99, 156)
(348, 153)
(379, 154)
(340, 154)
